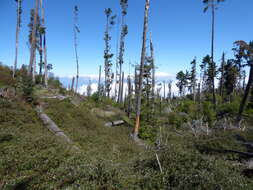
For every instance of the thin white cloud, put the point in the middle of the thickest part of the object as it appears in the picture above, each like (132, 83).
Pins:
(163, 74)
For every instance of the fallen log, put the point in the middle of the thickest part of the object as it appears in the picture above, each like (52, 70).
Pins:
(114, 123)
(51, 126)
(119, 122)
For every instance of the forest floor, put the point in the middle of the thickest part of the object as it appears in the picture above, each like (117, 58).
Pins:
(32, 157)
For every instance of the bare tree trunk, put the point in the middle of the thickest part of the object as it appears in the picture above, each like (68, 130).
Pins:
(17, 38)
(194, 93)
(129, 108)
(169, 87)
(33, 45)
(222, 75)
(41, 55)
(122, 88)
(164, 95)
(117, 77)
(147, 98)
(121, 57)
(45, 61)
(194, 88)
(136, 79)
(246, 94)
(44, 44)
(72, 84)
(212, 54)
(199, 94)
(34, 68)
(143, 55)
(153, 74)
(75, 45)
(99, 82)
(244, 80)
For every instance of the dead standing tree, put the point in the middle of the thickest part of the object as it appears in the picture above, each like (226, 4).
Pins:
(213, 4)
(143, 57)
(153, 74)
(76, 30)
(19, 12)
(99, 82)
(43, 38)
(33, 42)
(124, 31)
(107, 55)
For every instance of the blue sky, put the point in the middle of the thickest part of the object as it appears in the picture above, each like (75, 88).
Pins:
(180, 32)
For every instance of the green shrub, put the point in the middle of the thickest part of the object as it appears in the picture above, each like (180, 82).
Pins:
(95, 97)
(148, 132)
(27, 88)
(228, 109)
(54, 83)
(5, 76)
(189, 107)
(177, 119)
(209, 113)
(187, 169)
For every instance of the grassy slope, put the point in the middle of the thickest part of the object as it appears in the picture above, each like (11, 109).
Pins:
(27, 150)
(88, 131)
(33, 158)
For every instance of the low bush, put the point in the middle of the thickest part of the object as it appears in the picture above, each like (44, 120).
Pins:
(228, 109)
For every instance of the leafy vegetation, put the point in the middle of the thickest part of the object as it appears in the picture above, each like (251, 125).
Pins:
(200, 139)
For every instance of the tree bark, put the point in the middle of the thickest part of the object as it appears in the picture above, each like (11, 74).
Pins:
(121, 57)
(45, 61)
(143, 55)
(17, 38)
(34, 68)
(41, 55)
(129, 108)
(122, 88)
(212, 54)
(76, 54)
(136, 78)
(153, 74)
(164, 94)
(33, 45)
(117, 64)
(222, 75)
(99, 82)
(72, 84)
(44, 44)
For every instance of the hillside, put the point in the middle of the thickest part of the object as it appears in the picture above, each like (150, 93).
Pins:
(126, 95)
(32, 157)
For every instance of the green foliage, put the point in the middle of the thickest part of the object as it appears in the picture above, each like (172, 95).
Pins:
(228, 109)
(231, 74)
(33, 158)
(185, 168)
(209, 113)
(209, 73)
(148, 132)
(182, 81)
(5, 76)
(27, 88)
(219, 144)
(189, 107)
(176, 119)
(54, 83)
(5, 137)
(95, 97)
